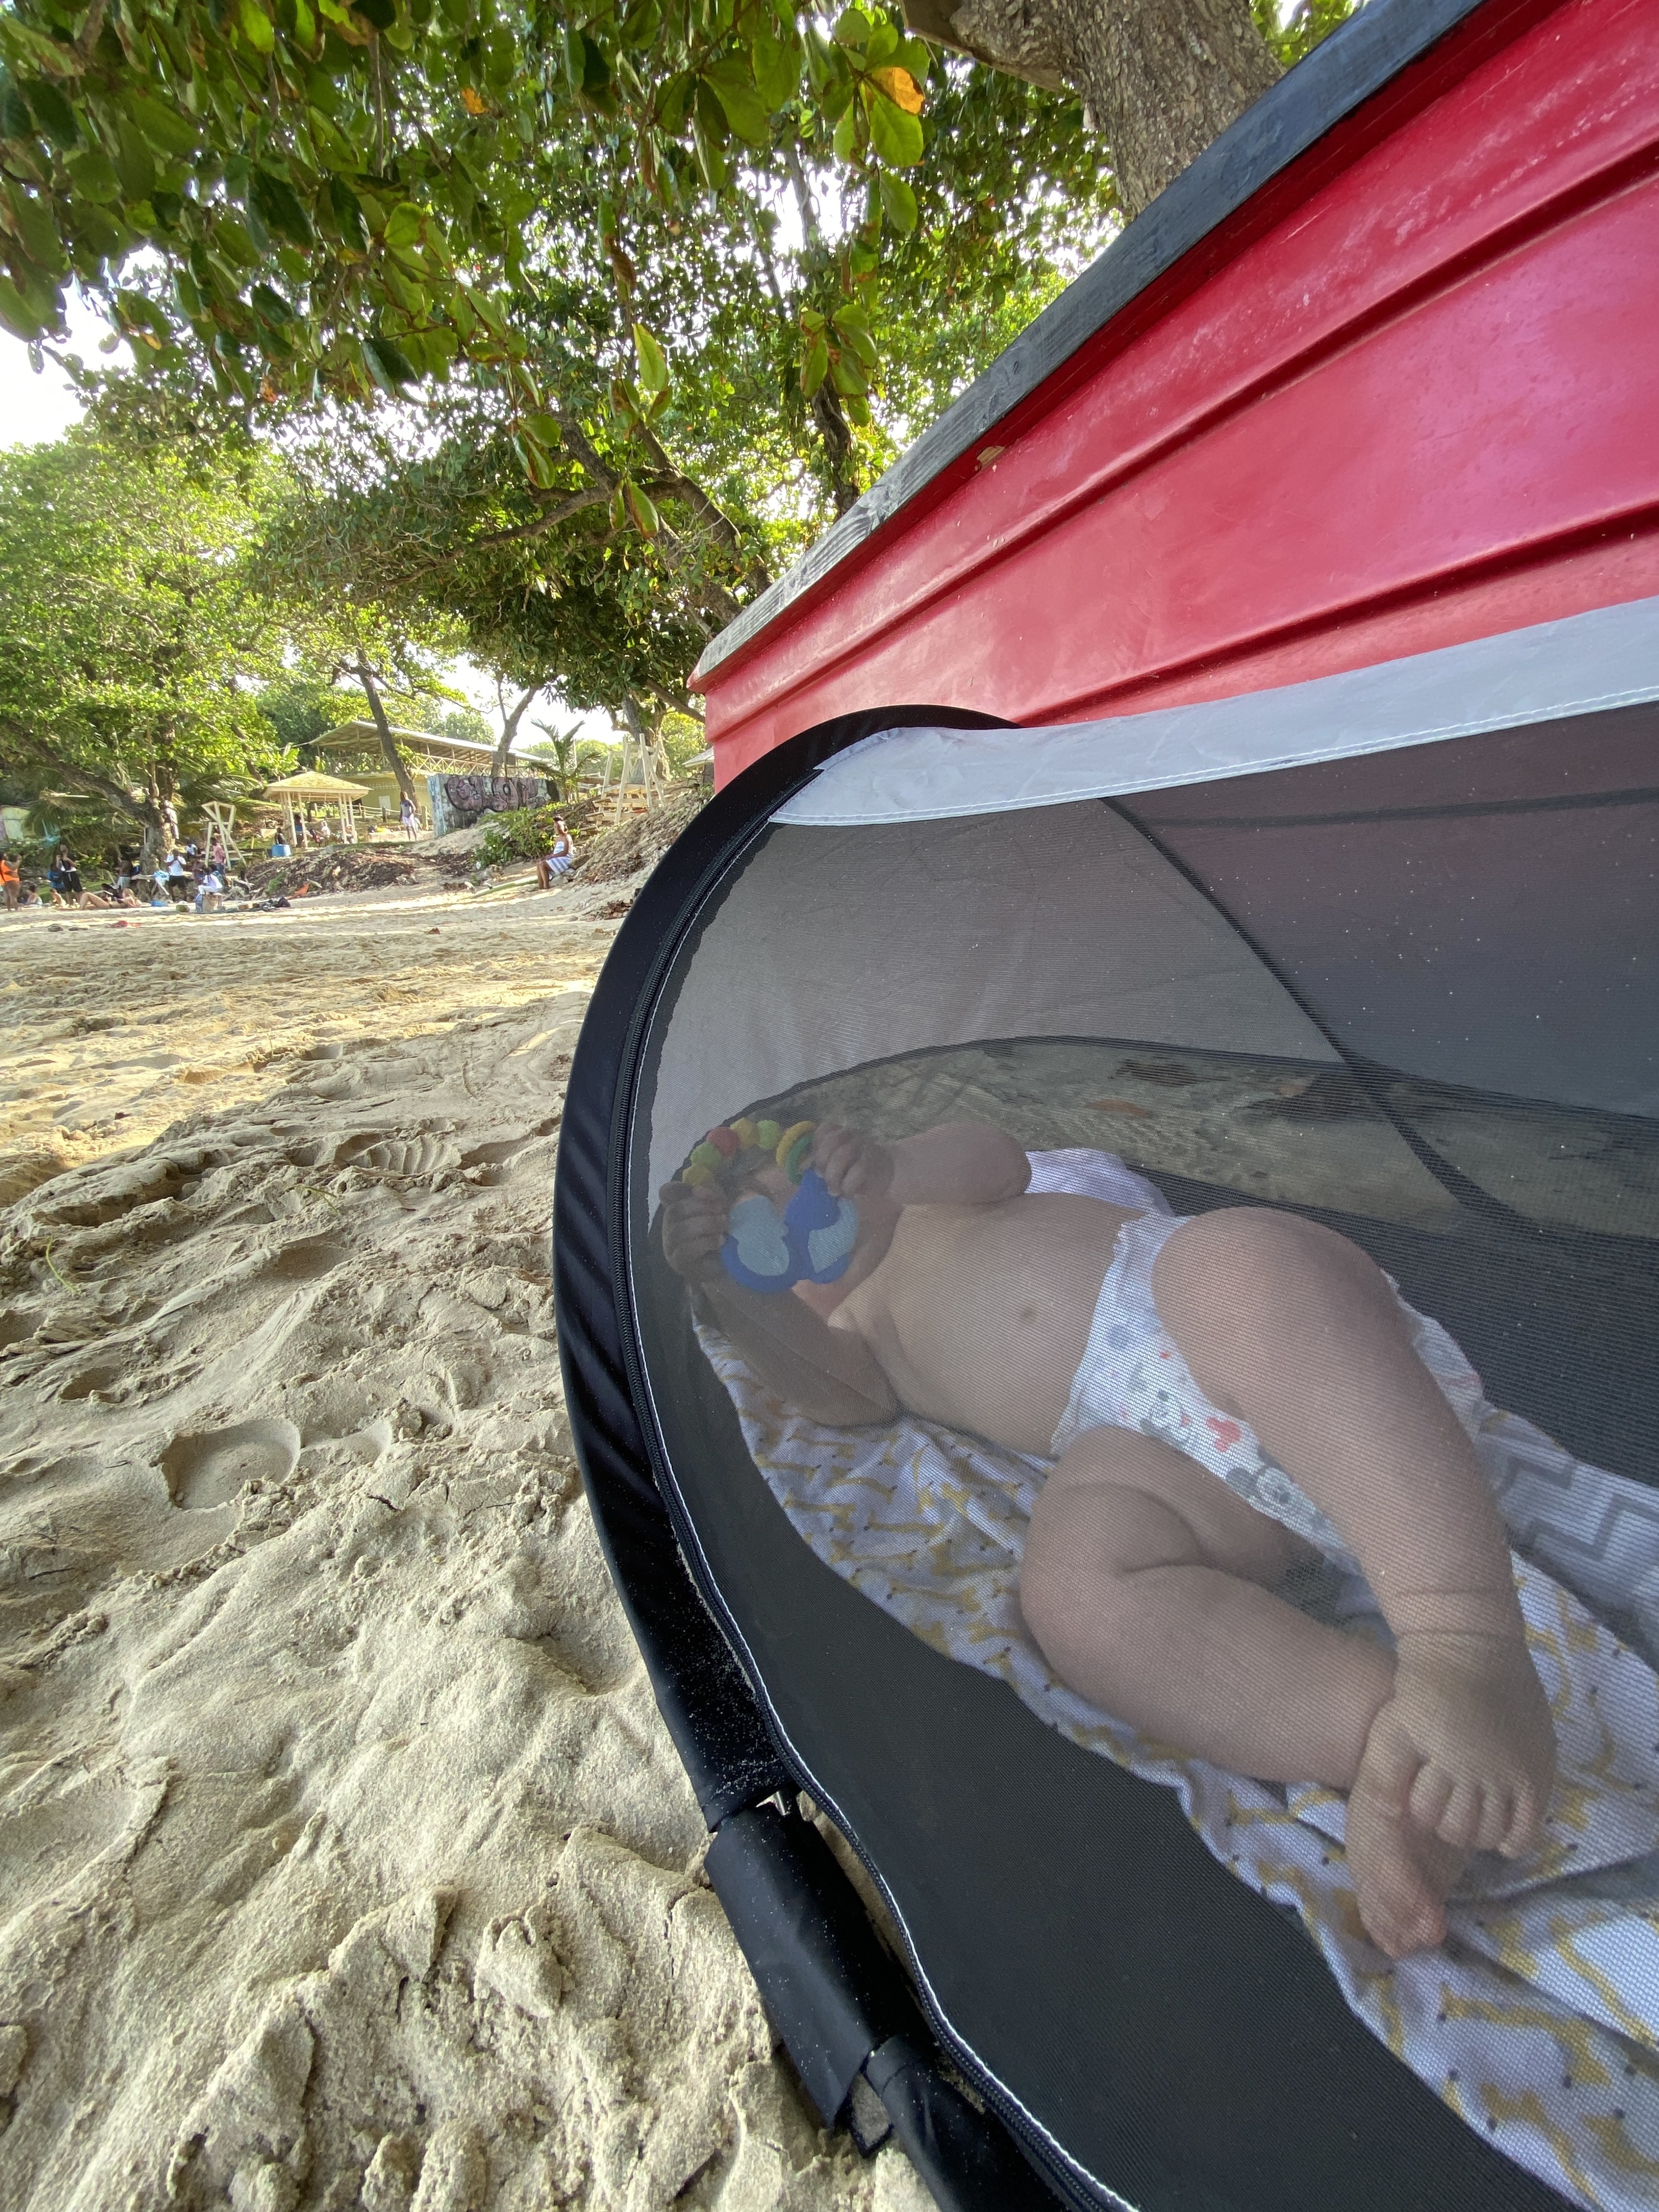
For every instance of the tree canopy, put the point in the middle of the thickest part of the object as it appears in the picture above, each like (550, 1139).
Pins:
(549, 336)
(130, 644)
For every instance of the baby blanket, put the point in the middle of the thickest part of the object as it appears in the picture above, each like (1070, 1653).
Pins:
(1538, 2020)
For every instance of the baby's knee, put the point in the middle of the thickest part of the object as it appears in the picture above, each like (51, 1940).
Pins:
(1085, 1544)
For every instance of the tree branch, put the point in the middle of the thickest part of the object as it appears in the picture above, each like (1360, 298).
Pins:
(84, 779)
(91, 30)
(574, 504)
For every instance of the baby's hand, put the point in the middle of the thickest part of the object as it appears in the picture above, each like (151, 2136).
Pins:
(693, 1229)
(852, 1164)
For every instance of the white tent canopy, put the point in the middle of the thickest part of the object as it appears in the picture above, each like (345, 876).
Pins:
(1585, 663)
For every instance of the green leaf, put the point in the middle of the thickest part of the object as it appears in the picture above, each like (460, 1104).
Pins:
(25, 45)
(777, 70)
(278, 206)
(31, 221)
(231, 239)
(895, 135)
(387, 364)
(743, 108)
(167, 130)
(711, 161)
(53, 113)
(402, 225)
(853, 28)
(847, 133)
(654, 364)
(881, 45)
(92, 173)
(846, 374)
(256, 26)
(534, 459)
(410, 297)
(647, 519)
(269, 305)
(98, 233)
(854, 335)
(898, 201)
(16, 313)
(383, 14)
(333, 145)
(134, 162)
(16, 121)
(815, 367)
(671, 114)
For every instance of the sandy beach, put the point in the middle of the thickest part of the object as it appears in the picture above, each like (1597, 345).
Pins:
(343, 1859)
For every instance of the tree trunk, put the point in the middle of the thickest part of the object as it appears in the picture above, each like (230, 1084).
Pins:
(837, 441)
(389, 749)
(510, 725)
(1158, 79)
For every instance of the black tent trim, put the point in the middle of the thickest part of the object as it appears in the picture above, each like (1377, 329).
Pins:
(842, 2007)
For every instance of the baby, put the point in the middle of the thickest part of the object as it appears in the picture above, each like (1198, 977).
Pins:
(1151, 1586)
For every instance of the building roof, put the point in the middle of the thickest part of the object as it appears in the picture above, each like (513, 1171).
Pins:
(312, 783)
(362, 736)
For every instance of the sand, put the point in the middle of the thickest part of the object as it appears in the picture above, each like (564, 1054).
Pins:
(344, 1858)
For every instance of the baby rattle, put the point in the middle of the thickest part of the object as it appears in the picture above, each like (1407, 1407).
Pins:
(811, 1241)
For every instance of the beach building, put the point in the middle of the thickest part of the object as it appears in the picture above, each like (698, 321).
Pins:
(354, 749)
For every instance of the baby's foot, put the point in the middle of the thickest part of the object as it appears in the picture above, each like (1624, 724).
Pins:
(1461, 1758)
(1402, 1876)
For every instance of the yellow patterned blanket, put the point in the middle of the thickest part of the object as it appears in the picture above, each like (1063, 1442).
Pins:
(1538, 2020)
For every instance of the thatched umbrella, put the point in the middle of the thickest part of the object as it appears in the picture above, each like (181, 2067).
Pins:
(332, 790)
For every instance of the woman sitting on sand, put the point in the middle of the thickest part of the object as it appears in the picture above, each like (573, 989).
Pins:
(559, 858)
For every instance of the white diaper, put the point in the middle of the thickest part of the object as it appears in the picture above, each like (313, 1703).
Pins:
(1133, 1377)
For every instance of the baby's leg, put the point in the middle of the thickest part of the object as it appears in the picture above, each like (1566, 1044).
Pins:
(1149, 1586)
(1292, 1329)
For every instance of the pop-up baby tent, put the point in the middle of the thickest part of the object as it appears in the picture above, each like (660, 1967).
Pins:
(1357, 925)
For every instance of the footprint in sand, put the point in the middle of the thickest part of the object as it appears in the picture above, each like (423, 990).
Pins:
(415, 1156)
(210, 1468)
(493, 1164)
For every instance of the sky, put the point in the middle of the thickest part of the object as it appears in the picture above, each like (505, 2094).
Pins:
(35, 408)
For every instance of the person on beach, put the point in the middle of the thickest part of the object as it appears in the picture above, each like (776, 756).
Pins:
(408, 819)
(11, 882)
(559, 858)
(210, 892)
(1073, 1330)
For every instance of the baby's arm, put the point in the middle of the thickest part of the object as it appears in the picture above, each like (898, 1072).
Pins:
(828, 1372)
(958, 1163)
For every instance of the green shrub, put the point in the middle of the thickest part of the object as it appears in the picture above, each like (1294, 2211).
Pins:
(519, 836)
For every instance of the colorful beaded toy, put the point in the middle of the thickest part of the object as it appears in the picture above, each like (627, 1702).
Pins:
(791, 1148)
(811, 1241)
